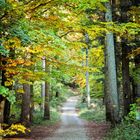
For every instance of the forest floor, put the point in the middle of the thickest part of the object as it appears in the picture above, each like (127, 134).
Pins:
(71, 127)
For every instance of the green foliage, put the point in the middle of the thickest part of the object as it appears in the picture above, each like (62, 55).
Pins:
(132, 114)
(3, 51)
(95, 113)
(8, 94)
(55, 118)
(2, 2)
(136, 75)
(125, 131)
(129, 129)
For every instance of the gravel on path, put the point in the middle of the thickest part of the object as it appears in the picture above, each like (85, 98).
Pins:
(71, 127)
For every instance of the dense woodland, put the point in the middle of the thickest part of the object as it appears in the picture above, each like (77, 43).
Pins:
(50, 46)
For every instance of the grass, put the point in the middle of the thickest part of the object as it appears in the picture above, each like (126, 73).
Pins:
(95, 113)
(38, 120)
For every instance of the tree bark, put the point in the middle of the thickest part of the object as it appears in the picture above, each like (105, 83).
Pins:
(127, 93)
(25, 110)
(137, 83)
(126, 80)
(6, 110)
(32, 103)
(112, 99)
(87, 73)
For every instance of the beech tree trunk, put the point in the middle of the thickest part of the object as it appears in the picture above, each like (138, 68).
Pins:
(25, 110)
(87, 73)
(111, 97)
(43, 87)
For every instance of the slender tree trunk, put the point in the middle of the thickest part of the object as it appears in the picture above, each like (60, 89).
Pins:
(43, 95)
(7, 103)
(2, 101)
(43, 87)
(32, 103)
(112, 99)
(137, 82)
(87, 80)
(87, 73)
(46, 105)
(25, 110)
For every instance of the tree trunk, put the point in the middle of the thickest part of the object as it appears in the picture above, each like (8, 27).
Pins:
(137, 82)
(112, 99)
(6, 111)
(46, 104)
(7, 103)
(42, 96)
(57, 94)
(25, 110)
(32, 103)
(43, 87)
(87, 73)
(125, 61)
(126, 80)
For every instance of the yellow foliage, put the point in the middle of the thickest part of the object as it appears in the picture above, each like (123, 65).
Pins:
(12, 43)
(80, 80)
(13, 130)
(134, 53)
(8, 83)
(20, 90)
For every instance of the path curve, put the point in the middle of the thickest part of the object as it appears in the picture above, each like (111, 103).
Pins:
(72, 127)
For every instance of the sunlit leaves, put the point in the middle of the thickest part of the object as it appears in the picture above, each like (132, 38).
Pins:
(8, 94)
(13, 130)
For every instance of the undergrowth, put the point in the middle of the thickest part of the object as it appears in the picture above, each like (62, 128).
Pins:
(55, 104)
(128, 129)
(95, 113)
(125, 131)
(54, 115)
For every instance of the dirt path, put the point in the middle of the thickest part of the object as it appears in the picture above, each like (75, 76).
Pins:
(72, 127)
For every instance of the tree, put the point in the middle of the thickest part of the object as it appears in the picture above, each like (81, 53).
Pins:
(111, 97)
(26, 102)
(47, 94)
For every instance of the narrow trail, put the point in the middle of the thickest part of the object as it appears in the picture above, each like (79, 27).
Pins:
(72, 127)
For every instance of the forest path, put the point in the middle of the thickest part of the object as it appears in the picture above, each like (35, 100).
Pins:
(71, 127)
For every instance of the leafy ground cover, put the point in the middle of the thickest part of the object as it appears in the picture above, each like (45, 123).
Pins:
(95, 125)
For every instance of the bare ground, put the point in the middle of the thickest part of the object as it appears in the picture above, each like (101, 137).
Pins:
(97, 131)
